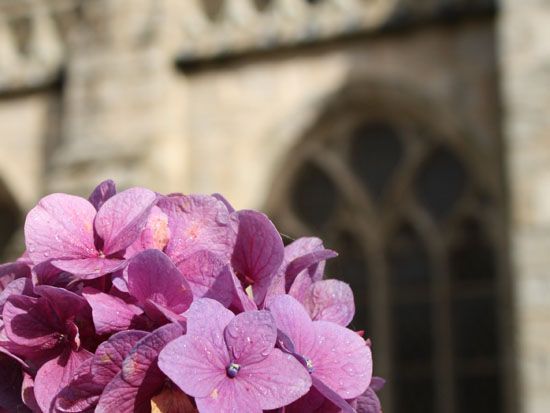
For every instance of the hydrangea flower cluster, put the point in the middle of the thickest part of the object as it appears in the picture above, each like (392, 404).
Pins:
(140, 302)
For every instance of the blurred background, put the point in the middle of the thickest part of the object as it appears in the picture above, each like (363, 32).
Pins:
(413, 136)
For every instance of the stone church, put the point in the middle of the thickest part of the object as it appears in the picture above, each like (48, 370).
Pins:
(413, 136)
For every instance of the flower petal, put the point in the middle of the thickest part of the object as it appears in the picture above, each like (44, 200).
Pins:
(250, 336)
(293, 320)
(141, 363)
(122, 218)
(55, 375)
(110, 314)
(153, 276)
(60, 227)
(277, 380)
(197, 222)
(258, 252)
(341, 359)
(90, 268)
(331, 300)
(108, 358)
(101, 193)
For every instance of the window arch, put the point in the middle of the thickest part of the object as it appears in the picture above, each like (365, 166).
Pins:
(417, 215)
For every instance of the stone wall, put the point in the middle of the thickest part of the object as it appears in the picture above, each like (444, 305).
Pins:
(525, 62)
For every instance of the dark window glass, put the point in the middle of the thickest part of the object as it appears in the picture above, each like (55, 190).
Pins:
(478, 394)
(408, 259)
(351, 266)
(9, 218)
(375, 153)
(440, 183)
(412, 333)
(472, 257)
(414, 395)
(313, 196)
(475, 328)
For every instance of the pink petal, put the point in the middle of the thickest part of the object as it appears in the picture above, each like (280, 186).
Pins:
(141, 363)
(121, 397)
(110, 313)
(56, 374)
(152, 276)
(12, 271)
(82, 393)
(90, 268)
(304, 247)
(101, 193)
(341, 359)
(27, 322)
(276, 381)
(207, 316)
(331, 300)
(197, 222)
(221, 198)
(300, 287)
(156, 234)
(108, 358)
(293, 320)
(196, 362)
(60, 227)
(27, 392)
(250, 336)
(122, 218)
(258, 252)
(201, 270)
(229, 396)
(20, 286)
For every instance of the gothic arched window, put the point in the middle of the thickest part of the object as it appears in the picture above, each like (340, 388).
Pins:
(417, 218)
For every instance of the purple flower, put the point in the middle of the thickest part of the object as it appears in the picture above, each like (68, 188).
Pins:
(336, 357)
(140, 382)
(68, 230)
(258, 252)
(229, 363)
(156, 287)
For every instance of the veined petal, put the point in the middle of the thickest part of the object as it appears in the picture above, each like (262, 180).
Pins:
(60, 227)
(341, 359)
(101, 193)
(122, 218)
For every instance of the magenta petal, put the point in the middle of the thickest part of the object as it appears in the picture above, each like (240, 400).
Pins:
(221, 198)
(331, 300)
(277, 380)
(197, 222)
(195, 364)
(141, 363)
(55, 375)
(27, 322)
(207, 312)
(201, 270)
(121, 218)
(293, 320)
(66, 304)
(300, 287)
(156, 234)
(101, 193)
(229, 396)
(12, 271)
(122, 397)
(258, 253)
(152, 276)
(343, 362)
(20, 286)
(250, 336)
(368, 402)
(332, 396)
(89, 268)
(110, 313)
(60, 227)
(82, 393)
(108, 358)
(27, 393)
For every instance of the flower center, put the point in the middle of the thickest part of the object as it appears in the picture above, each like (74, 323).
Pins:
(232, 370)
(309, 364)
